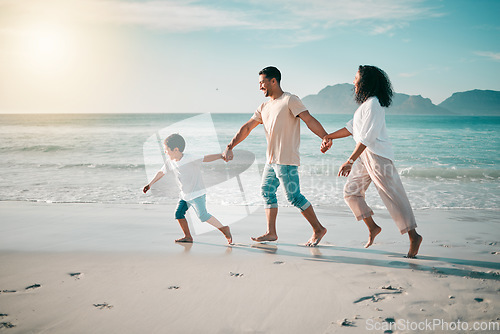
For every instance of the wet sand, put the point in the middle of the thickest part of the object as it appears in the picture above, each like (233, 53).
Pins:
(96, 268)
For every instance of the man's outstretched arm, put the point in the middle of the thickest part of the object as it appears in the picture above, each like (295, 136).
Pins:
(315, 126)
(238, 138)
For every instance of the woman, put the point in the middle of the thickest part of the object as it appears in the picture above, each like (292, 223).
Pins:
(373, 91)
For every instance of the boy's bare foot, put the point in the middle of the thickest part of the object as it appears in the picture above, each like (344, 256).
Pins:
(185, 239)
(316, 238)
(415, 242)
(373, 233)
(266, 237)
(227, 233)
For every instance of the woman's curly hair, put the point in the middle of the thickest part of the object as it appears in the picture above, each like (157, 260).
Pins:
(373, 82)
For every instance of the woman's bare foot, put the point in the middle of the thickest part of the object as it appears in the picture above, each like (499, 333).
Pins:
(185, 239)
(266, 237)
(316, 238)
(373, 233)
(415, 241)
(227, 233)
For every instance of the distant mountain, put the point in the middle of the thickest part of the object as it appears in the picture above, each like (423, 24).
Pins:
(338, 99)
(403, 104)
(474, 102)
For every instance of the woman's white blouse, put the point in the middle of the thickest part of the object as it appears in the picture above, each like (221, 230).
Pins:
(368, 127)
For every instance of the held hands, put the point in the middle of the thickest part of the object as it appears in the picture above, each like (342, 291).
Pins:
(146, 188)
(326, 144)
(227, 155)
(345, 169)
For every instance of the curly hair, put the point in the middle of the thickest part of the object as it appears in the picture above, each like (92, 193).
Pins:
(373, 82)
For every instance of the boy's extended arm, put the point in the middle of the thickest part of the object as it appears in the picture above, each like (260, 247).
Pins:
(158, 176)
(238, 138)
(212, 157)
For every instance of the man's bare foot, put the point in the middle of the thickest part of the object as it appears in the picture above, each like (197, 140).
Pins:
(316, 238)
(373, 233)
(414, 246)
(227, 233)
(185, 239)
(266, 237)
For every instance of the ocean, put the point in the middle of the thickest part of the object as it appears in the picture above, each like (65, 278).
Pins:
(445, 162)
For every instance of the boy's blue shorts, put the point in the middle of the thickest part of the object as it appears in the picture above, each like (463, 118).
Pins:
(199, 205)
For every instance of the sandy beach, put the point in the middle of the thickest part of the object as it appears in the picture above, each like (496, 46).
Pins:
(97, 268)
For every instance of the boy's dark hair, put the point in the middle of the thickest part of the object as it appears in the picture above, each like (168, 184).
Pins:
(271, 72)
(374, 82)
(175, 140)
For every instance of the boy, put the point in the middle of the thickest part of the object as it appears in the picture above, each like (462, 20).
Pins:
(187, 170)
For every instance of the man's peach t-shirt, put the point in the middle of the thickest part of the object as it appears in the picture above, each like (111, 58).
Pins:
(282, 127)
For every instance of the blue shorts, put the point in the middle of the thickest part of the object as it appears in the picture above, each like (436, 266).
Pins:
(289, 176)
(199, 205)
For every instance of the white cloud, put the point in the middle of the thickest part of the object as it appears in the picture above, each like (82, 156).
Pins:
(386, 28)
(177, 16)
(180, 16)
(407, 75)
(314, 16)
(383, 29)
(340, 11)
(491, 55)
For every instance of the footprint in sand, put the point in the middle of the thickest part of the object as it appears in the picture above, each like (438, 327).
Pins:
(346, 323)
(32, 287)
(76, 275)
(6, 325)
(377, 296)
(235, 274)
(173, 287)
(103, 306)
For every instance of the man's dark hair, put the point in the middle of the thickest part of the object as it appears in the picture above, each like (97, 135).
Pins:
(271, 72)
(175, 140)
(374, 82)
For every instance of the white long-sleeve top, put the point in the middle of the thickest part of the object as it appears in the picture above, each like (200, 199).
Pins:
(368, 127)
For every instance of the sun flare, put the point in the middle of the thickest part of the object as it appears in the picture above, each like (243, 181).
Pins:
(45, 47)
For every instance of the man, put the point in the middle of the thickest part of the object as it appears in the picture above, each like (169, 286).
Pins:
(280, 117)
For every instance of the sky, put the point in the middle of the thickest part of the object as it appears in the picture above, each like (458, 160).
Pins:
(141, 56)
